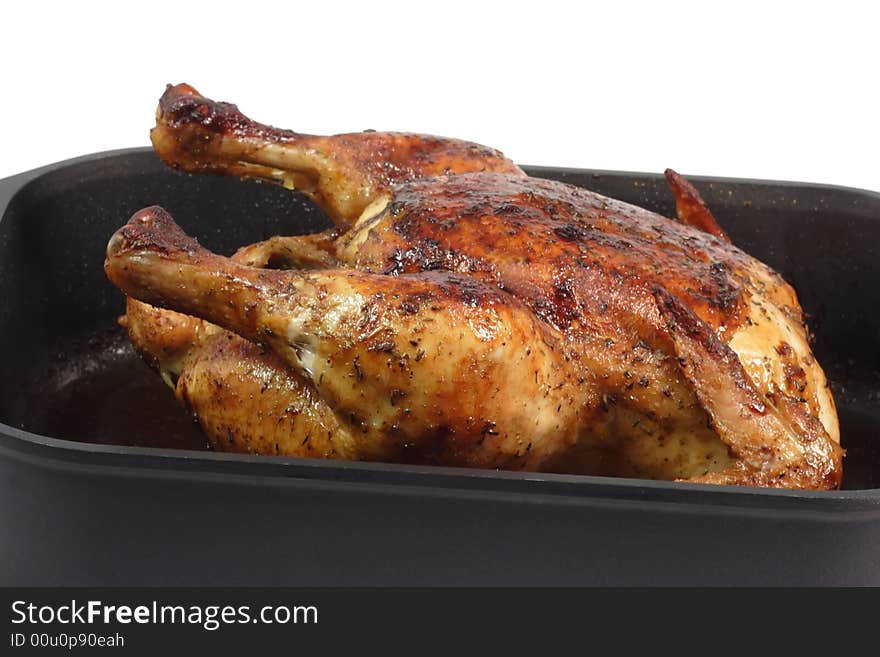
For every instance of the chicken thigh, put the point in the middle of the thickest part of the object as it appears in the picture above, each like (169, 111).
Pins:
(463, 313)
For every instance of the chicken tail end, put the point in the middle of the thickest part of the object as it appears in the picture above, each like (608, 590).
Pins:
(690, 207)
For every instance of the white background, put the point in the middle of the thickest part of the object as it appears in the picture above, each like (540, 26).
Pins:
(763, 90)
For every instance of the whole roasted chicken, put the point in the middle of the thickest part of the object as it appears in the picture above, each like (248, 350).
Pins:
(463, 313)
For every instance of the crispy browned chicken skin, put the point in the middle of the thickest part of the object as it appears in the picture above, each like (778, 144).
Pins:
(464, 313)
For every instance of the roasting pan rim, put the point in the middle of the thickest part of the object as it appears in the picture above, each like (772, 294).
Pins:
(10, 185)
(59, 454)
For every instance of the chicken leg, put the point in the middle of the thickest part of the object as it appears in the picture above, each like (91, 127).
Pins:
(408, 362)
(342, 173)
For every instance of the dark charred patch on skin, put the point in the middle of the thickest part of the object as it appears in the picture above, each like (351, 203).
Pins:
(427, 254)
(371, 312)
(395, 208)
(724, 294)
(413, 303)
(471, 293)
(409, 224)
(488, 429)
(182, 106)
(566, 306)
(544, 309)
(571, 232)
(607, 402)
(784, 349)
(358, 373)
(795, 377)
(511, 210)
(381, 345)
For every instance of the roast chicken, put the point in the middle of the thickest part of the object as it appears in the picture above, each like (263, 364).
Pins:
(463, 313)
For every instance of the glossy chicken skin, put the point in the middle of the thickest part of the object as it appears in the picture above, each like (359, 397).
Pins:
(494, 320)
(342, 173)
(411, 367)
(244, 397)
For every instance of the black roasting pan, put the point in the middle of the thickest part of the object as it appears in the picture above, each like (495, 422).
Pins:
(105, 481)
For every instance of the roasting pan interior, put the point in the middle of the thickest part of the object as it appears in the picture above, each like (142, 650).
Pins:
(69, 371)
